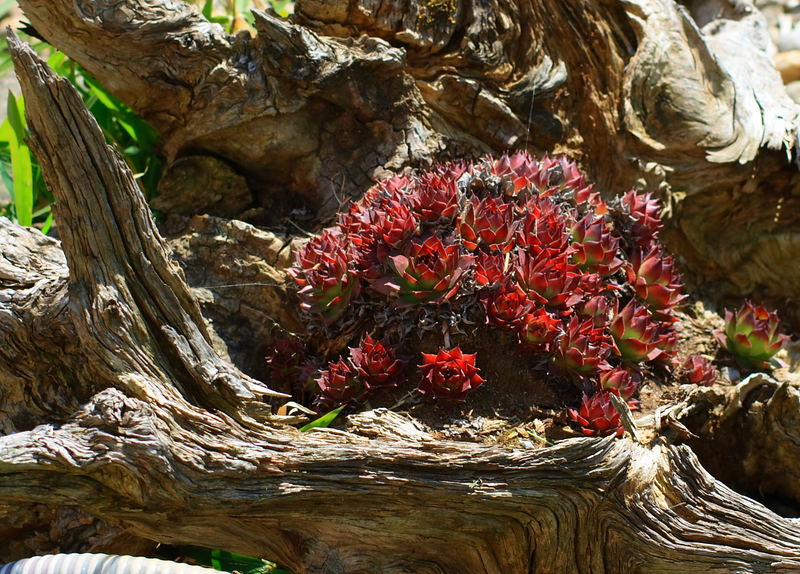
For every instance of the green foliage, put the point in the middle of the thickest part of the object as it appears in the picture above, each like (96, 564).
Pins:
(323, 421)
(133, 137)
(233, 14)
(283, 7)
(30, 200)
(229, 561)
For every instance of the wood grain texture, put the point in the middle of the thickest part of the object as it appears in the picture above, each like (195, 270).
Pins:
(153, 449)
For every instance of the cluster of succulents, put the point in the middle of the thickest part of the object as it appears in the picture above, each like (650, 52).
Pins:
(580, 282)
(372, 365)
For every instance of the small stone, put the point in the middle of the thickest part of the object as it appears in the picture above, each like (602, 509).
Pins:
(731, 374)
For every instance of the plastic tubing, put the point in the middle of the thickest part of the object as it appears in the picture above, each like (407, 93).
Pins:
(99, 564)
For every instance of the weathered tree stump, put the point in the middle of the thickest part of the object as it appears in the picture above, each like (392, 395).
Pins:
(118, 397)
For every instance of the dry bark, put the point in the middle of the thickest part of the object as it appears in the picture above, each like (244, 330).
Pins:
(157, 431)
(758, 420)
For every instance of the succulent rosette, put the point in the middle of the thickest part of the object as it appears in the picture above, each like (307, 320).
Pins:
(698, 370)
(597, 416)
(449, 375)
(506, 308)
(636, 333)
(435, 198)
(543, 229)
(595, 249)
(552, 281)
(339, 384)
(667, 342)
(358, 225)
(566, 179)
(429, 271)
(580, 350)
(376, 364)
(751, 335)
(645, 213)
(488, 222)
(622, 382)
(398, 224)
(321, 271)
(598, 308)
(490, 268)
(520, 169)
(655, 280)
(538, 328)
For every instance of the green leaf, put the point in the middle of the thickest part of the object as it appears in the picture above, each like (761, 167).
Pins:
(208, 9)
(15, 113)
(21, 164)
(8, 178)
(230, 561)
(6, 169)
(48, 223)
(323, 421)
(283, 8)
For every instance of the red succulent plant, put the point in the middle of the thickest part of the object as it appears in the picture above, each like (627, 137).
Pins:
(645, 213)
(490, 268)
(530, 240)
(488, 222)
(435, 198)
(321, 270)
(376, 364)
(751, 335)
(538, 328)
(622, 382)
(598, 308)
(551, 281)
(595, 249)
(581, 349)
(543, 229)
(339, 384)
(506, 308)
(520, 169)
(428, 271)
(398, 223)
(636, 333)
(698, 371)
(449, 374)
(655, 280)
(597, 416)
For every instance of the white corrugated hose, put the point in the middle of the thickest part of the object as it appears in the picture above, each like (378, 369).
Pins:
(99, 564)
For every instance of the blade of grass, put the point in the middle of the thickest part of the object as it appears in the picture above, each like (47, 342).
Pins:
(48, 223)
(20, 162)
(231, 562)
(6, 169)
(323, 421)
(208, 9)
